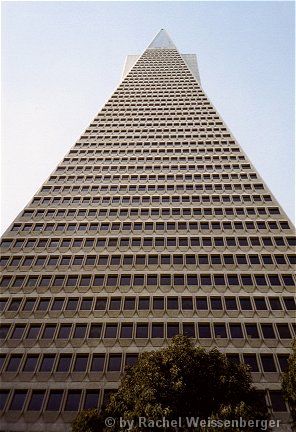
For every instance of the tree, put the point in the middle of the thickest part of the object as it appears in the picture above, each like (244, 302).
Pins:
(89, 421)
(184, 381)
(289, 383)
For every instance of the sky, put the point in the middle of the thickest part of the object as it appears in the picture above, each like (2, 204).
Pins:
(61, 61)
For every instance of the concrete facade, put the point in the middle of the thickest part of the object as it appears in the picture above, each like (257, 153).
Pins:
(155, 223)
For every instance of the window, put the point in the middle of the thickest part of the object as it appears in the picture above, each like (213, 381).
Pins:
(283, 361)
(33, 331)
(245, 303)
(143, 303)
(216, 303)
(80, 363)
(101, 304)
(129, 303)
(80, 331)
(54, 400)
(187, 303)
(277, 401)
(284, 331)
(114, 363)
(36, 400)
(30, 363)
(172, 303)
(158, 303)
(268, 363)
(268, 331)
(130, 359)
(111, 331)
(142, 331)
(64, 331)
(204, 331)
(18, 400)
(275, 303)
(48, 331)
(230, 303)
(157, 330)
(91, 399)
(14, 362)
(95, 331)
(201, 303)
(64, 363)
(236, 331)
(252, 331)
(251, 361)
(3, 398)
(189, 330)
(172, 330)
(126, 331)
(97, 364)
(73, 400)
(86, 304)
(47, 363)
(220, 331)
(260, 303)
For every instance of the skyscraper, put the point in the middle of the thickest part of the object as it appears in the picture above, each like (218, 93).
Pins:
(155, 223)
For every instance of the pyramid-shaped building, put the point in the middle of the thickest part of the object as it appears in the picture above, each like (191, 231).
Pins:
(154, 224)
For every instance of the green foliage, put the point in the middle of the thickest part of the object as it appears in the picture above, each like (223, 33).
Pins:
(289, 384)
(89, 421)
(184, 381)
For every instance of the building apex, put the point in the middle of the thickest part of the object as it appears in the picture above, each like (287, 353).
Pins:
(162, 40)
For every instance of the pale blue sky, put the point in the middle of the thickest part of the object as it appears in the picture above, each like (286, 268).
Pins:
(62, 60)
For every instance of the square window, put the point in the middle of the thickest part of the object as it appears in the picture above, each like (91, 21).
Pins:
(18, 400)
(64, 331)
(245, 303)
(91, 399)
(157, 330)
(144, 303)
(220, 331)
(95, 331)
(36, 400)
(268, 331)
(47, 363)
(64, 363)
(284, 331)
(30, 363)
(80, 363)
(54, 400)
(251, 361)
(204, 331)
(111, 331)
(14, 362)
(277, 401)
(230, 303)
(189, 330)
(172, 330)
(126, 331)
(268, 363)
(158, 303)
(129, 303)
(114, 363)
(187, 303)
(172, 303)
(97, 364)
(142, 331)
(3, 398)
(236, 331)
(216, 303)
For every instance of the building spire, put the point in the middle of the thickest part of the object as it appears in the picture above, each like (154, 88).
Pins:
(162, 40)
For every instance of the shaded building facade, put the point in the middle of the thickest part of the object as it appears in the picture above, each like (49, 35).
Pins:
(154, 224)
